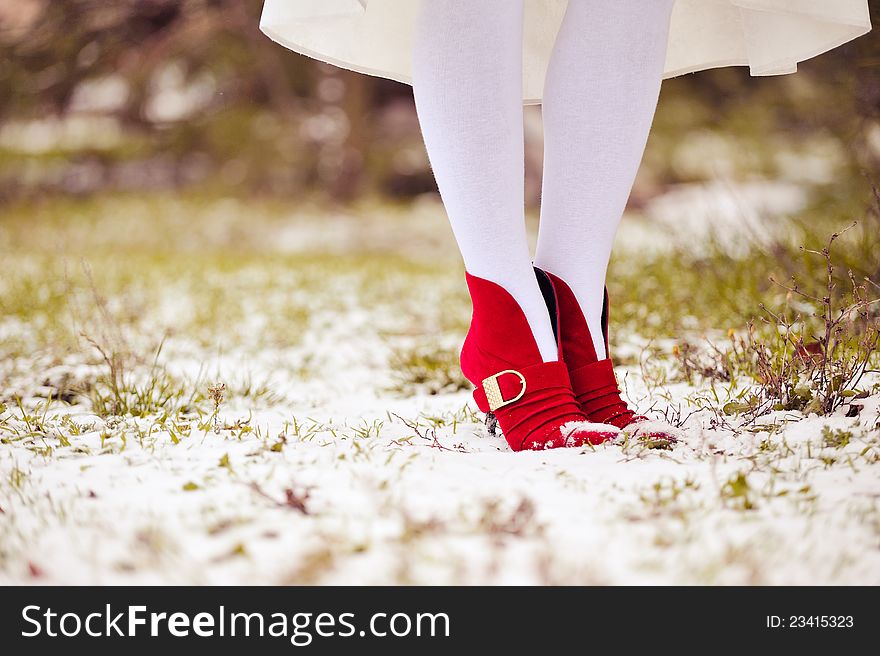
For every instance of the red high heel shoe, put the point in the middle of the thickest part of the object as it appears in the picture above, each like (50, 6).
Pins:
(531, 400)
(592, 380)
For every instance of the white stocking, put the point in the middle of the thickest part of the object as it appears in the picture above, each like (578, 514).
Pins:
(600, 95)
(467, 81)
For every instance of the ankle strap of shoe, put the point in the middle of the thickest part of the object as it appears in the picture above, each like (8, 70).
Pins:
(510, 385)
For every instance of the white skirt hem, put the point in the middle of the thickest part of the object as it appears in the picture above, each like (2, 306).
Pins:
(771, 37)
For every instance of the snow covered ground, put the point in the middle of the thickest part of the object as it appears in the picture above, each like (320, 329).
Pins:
(321, 466)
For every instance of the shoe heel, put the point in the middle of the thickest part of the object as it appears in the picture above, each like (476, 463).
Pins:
(491, 423)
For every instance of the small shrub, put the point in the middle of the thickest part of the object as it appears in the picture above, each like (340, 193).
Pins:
(812, 354)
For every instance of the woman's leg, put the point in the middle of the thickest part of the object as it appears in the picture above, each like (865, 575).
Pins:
(467, 81)
(600, 94)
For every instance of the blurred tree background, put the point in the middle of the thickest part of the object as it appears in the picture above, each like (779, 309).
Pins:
(188, 94)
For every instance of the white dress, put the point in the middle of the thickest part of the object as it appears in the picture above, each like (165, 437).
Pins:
(768, 36)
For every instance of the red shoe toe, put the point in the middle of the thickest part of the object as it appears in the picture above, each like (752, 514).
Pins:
(651, 430)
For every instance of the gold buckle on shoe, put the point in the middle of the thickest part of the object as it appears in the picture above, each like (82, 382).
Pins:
(493, 390)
